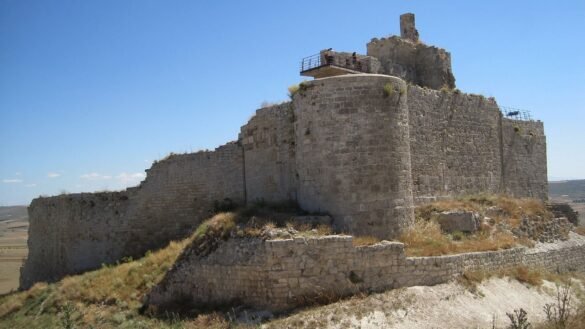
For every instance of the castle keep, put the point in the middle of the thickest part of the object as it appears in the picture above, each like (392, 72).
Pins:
(371, 136)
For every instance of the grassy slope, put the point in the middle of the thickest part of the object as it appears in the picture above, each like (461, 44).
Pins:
(111, 297)
(106, 298)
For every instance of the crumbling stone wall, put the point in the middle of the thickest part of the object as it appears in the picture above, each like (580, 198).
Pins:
(269, 143)
(353, 152)
(433, 68)
(281, 274)
(407, 27)
(73, 233)
(417, 63)
(179, 192)
(524, 153)
(397, 57)
(455, 143)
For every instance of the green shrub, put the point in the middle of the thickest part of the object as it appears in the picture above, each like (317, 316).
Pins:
(293, 90)
(518, 319)
(445, 89)
(298, 89)
(389, 90)
(457, 235)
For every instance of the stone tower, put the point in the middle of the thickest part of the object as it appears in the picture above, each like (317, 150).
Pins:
(353, 153)
(407, 27)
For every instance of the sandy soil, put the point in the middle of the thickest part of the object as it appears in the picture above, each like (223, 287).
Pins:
(442, 306)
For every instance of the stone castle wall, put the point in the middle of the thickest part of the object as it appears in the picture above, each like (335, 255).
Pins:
(524, 153)
(353, 153)
(281, 274)
(460, 144)
(455, 143)
(269, 143)
(343, 146)
(414, 62)
(73, 233)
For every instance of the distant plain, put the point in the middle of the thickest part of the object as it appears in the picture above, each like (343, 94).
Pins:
(13, 248)
(571, 192)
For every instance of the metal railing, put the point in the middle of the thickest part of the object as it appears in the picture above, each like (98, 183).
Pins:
(311, 62)
(515, 114)
(314, 61)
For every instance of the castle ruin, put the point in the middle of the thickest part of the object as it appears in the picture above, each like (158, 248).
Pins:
(365, 141)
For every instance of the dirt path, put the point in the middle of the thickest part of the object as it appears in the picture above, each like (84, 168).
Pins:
(442, 306)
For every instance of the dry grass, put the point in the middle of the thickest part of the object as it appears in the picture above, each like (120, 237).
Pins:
(301, 227)
(261, 216)
(512, 209)
(293, 90)
(111, 296)
(577, 321)
(531, 276)
(425, 238)
(96, 297)
(359, 241)
(14, 302)
(219, 224)
(324, 229)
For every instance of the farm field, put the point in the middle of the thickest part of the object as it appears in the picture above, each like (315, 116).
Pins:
(13, 248)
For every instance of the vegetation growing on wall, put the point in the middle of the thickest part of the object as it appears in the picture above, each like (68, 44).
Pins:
(504, 219)
(389, 90)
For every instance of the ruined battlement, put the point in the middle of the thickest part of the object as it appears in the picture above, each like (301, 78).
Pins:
(408, 29)
(400, 56)
(368, 139)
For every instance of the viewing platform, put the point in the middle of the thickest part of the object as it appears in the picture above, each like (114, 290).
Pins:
(328, 63)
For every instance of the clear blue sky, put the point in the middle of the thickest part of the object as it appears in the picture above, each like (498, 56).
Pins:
(91, 92)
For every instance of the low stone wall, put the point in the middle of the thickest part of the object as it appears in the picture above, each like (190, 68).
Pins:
(281, 274)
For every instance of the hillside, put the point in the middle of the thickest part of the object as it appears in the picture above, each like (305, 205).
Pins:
(571, 192)
(12, 213)
(114, 296)
(111, 298)
(573, 189)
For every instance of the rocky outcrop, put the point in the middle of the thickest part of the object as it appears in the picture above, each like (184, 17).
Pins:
(462, 221)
